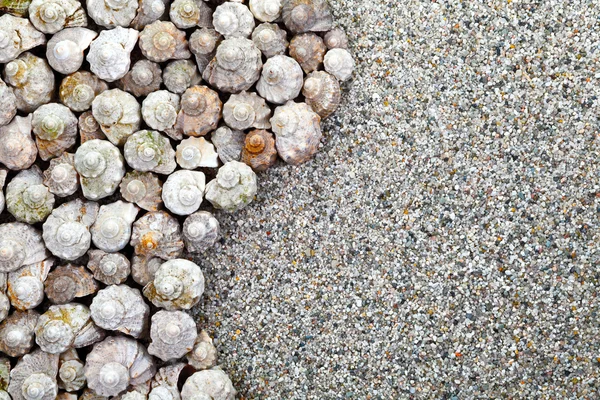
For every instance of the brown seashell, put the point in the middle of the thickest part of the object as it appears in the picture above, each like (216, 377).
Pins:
(61, 178)
(148, 12)
(270, 39)
(144, 78)
(89, 129)
(308, 49)
(322, 92)
(307, 15)
(143, 269)
(17, 148)
(17, 333)
(78, 90)
(179, 75)
(108, 268)
(89, 394)
(189, 13)
(26, 285)
(200, 111)
(161, 41)
(69, 282)
(157, 234)
(336, 39)
(143, 189)
(259, 150)
(203, 44)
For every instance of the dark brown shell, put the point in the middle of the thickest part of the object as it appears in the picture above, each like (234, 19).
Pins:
(309, 50)
(307, 15)
(259, 150)
(144, 78)
(89, 129)
(68, 282)
(200, 111)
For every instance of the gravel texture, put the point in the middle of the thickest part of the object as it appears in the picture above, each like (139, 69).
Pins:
(444, 242)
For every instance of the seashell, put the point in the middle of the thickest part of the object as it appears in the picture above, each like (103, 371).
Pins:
(212, 383)
(118, 113)
(108, 268)
(144, 78)
(229, 143)
(159, 110)
(112, 13)
(70, 372)
(32, 80)
(189, 13)
(157, 234)
(51, 16)
(200, 231)
(58, 329)
(60, 178)
(336, 39)
(161, 41)
(68, 282)
(116, 363)
(281, 80)
(339, 63)
(34, 377)
(308, 50)
(297, 132)
(246, 110)
(66, 396)
(322, 93)
(4, 376)
(16, 36)
(17, 148)
(270, 39)
(149, 151)
(259, 151)
(143, 189)
(164, 383)
(180, 75)
(183, 191)
(8, 104)
(89, 129)
(89, 394)
(143, 269)
(25, 286)
(100, 166)
(120, 308)
(307, 15)
(18, 8)
(77, 91)
(109, 54)
(203, 44)
(204, 353)
(3, 174)
(55, 129)
(177, 285)
(112, 229)
(20, 244)
(173, 334)
(148, 12)
(195, 152)
(266, 10)
(27, 199)
(17, 333)
(233, 20)
(200, 111)
(65, 50)
(235, 67)
(234, 187)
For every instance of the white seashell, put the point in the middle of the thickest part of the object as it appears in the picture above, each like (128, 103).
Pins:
(144, 78)
(55, 129)
(157, 234)
(120, 308)
(65, 49)
(270, 39)
(189, 13)
(148, 12)
(200, 231)
(8, 104)
(266, 10)
(177, 285)
(109, 54)
(214, 383)
(246, 110)
(60, 177)
(183, 191)
(339, 63)
(34, 377)
(297, 130)
(143, 269)
(204, 353)
(195, 152)
(233, 20)
(160, 109)
(180, 75)
(70, 371)
(111, 13)
(234, 187)
(67, 230)
(16, 36)
(336, 39)
(100, 166)
(143, 189)
(173, 334)
(89, 128)
(200, 111)
(112, 230)
(51, 16)
(307, 15)
(165, 382)
(118, 113)
(27, 199)
(25, 286)
(20, 244)
(108, 268)
(281, 80)
(161, 41)
(203, 44)
(68, 282)
(229, 143)
(149, 151)
(17, 333)
(32, 80)
(17, 148)
(78, 90)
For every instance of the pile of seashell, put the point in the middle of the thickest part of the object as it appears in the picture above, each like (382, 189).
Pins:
(103, 114)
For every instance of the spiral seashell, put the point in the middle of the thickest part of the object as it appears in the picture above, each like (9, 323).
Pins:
(89, 129)
(233, 20)
(183, 191)
(201, 231)
(112, 230)
(246, 110)
(229, 143)
(195, 152)
(3, 174)
(8, 104)
(109, 54)
(20, 244)
(177, 285)
(307, 15)
(120, 308)
(118, 113)
(189, 13)
(18, 8)
(204, 353)
(17, 148)
(32, 80)
(143, 269)
(281, 80)
(78, 90)
(143, 189)
(25, 286)
(65, 49)
(108, 268)
(148, 12)
(157, 234)
(270, 39)
(339, 63)
(266, 10)
(180, 75)
(208, 384)
(160, 109)
(297, 131)
(236, 66)
(308, 50)
(322, 93)
(55, 129)
(144, 78)
(111, 13)
(336, 39)
(203, 44)
(173, 334)
(259, 150)
(200, 111)
(70, 371)
(16, 36)
(27, 199)
(234, 187)
(60, 178)
(161, 41)
(68, 282)
(17, 333)
(165, 382)
(34, 377)
(100, 166)
(149, 151)
(51, 16)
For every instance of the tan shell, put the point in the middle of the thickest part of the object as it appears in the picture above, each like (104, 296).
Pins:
(159, 110)
(20, 244)
(233, 20)
(148, 12)
(60, 177)
(143, 269)
(70, 371)
(66, 396)
(120, 308)
(109, 54)
(189, 13)
(27, 199)
(298, 132)
(281, 80)
(195, 152)
(259, 151)
(339, 63)
(201, 231)
(229, 143)
(26, 285)
(144, 78)
(246, 110)
(270, 39)
(89, 394)
(18, 8)
(65, 49)
(100, 166)
(118, 113)
(16, 36)
(322, 92)
(180, 75)
(203, 44)
(200, 111)
(307, 15)
(208, 384)
(161, 41)
(149, 151)
(165, 382)
(308, 50)
(177, 285)
(266, 10)
(89, 129)
(183, 191)
(51, 16)
(17, 148)
(143, 189)
(111, 13)
(77, 91)
(55, 129)
(157, 234)
(204, 353)
(32, 80)
(34, 377)
(112, 230)
(8, 104)
(234, 187)
(173, 334)
(68, 282)
(108, 268)
(336, 39)
(17, 333)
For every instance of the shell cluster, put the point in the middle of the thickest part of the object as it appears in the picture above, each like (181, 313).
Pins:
(124, 125)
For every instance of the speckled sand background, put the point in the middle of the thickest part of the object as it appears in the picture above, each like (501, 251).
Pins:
(444, 243)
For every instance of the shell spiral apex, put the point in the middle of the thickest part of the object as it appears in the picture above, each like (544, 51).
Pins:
(160, 109)
(108, 268)
(157, 234)
(60, 177)
(200, 111)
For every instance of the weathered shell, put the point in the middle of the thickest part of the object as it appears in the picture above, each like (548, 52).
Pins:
(161, 41)
(173, 334)
(307, 15)
(4, 376)
(144, 78)
(51, 16)
(148, 12)
(195, 152)
(34, 377)
(109, 54)
(118, 113)
(65, 49)
(77, 91)
(234, 187)
(336, 39)
(25, 286)
(111, 13)
(213, 383)
(8, 104)
(177, 285)
(233, 20)
(183, 190)
(120, 308)
(149, 151)
(229, 143)
(270, 39)
(189, 13)
(18, 8)
(3, 174)
(70, 371)
(165, 382)
(339, 63)
(32, 80)
(68, 282)
(298, 132)
(89, 129)
(143, 269)
(100, 166)
(235, 67)
(143, 189)
(200, 231)
(322, 93)
(200, 111)
(259, 151)
(60, 178)
(157, 234)
(246, 110)
(16, 36)
(27, 199)
(116, 363)
(308, 50)
(203, 44)
(17, 333)
(66, 396)
(67, 230)
(160, 109)
(179, 75)
(20, 244)
(55, 129)
(112, 230)
(281, 80)
(89, 394)
(204, 353)
(17, 148)
(266, 10)
(108, 268)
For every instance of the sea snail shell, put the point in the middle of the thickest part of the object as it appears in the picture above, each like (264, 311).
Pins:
(178, 285)
(109, 54)
(20, 244)
(17, 148)
(189, 13)
(195, 152)
(200, 231)
(120, 308)
(307, 15)
(339, 63)
(281, 80)
(65, 49)
(204, 353)
(16, 36)
(322, 92)
(266, 10)
(233, 20)
(161, 41)
(17, 333)
(78, 90)
(246, 110)
(34, 377)
(51, 16)
(179, 75)
(200, 111)
(32, 80)
(229, 143)
(160, 109)
(118, 113)
(8, 104)
(183, 191)
(68, 282)
(70, 372)
(157, 234)
(259, 150)
(234, 187)
(108, 268)
(112, 230)
(26, 285)
(208, 384)
(149, 151)
(60, 177)
(173, 334)
(270, 39)
(100, 166)
(27, 199)
(143, 189)
(55, 128)
(111, 13)
(144, 78)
